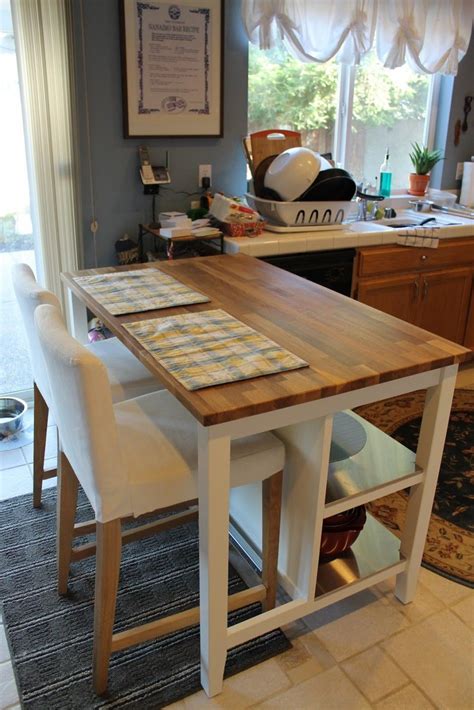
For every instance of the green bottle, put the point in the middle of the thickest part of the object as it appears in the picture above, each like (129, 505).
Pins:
(385, 176)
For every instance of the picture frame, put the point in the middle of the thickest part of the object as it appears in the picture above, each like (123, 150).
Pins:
(172, 68)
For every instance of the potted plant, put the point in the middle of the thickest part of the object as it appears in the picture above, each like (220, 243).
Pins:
(423, 161)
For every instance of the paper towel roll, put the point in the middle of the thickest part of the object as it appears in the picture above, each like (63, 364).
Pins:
(467, 189)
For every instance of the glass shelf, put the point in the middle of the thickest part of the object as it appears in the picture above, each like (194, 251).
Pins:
(375, 549)
(382, 466)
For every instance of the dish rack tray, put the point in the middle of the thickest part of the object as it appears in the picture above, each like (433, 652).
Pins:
(302, 214)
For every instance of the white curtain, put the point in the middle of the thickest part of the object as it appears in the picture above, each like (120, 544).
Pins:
(430, 35)
(43, 49)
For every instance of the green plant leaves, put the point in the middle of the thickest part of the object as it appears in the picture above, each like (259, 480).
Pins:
(423, 159)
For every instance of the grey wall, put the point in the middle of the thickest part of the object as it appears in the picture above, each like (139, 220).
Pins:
(119, 201)
(451, 103)
(112, 174)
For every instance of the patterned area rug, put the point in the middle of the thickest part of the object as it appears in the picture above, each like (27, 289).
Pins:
(50, 637)
(449, 548)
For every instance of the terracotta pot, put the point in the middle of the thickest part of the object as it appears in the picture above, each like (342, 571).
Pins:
(418, 184)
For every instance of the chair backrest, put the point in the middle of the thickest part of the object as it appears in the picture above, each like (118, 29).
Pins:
(29, 295)
(82, 405)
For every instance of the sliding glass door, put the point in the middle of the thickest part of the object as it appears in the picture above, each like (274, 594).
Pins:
(16, 231)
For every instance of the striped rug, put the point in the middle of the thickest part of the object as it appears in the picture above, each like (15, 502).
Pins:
(50, 637)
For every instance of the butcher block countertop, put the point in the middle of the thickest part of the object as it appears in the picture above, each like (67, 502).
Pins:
(347, 344)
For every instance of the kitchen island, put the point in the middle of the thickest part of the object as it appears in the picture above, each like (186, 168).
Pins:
(355, 355)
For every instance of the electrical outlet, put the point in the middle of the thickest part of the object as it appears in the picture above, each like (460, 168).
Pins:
(205, 171)
(459, 171)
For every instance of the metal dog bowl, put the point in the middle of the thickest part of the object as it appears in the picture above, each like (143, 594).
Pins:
(12, 411)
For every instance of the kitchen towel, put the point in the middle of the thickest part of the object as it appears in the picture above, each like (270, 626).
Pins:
(141, 290)
(211, 348)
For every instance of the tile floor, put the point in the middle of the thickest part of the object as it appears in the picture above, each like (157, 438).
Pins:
(369, 651)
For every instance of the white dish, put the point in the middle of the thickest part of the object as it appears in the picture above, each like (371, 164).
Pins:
(302, 214)
(292, 172)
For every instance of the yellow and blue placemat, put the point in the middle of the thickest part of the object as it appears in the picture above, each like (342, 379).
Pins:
(140, 290)
(211, 348)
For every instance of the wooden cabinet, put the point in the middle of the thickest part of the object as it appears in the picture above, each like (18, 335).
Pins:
(444, 301)
(396, 295)
(431, 288)
(469, 336)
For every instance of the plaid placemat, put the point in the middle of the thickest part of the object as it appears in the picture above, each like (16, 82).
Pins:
(140, 290)
(211, 348)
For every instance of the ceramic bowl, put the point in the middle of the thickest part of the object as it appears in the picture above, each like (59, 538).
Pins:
(292, 172)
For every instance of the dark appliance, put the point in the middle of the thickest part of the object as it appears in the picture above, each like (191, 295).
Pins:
(332, 269)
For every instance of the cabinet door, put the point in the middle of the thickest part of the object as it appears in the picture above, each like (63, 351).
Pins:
(396, 295)
(469, 334)
(445, 301)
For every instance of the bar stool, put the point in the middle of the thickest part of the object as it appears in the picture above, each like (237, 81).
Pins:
(128, 377)
(132, 458)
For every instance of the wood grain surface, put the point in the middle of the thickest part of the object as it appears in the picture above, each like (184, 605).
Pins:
(348, 345)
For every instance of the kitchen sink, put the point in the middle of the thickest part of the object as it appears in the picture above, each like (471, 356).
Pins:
(412, 220)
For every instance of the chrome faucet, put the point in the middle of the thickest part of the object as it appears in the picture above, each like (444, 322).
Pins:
(364, 198)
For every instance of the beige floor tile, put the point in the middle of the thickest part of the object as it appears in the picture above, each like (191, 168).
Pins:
(244, 689)
(424, 604)
(361, 629)
(449, 592)
(8, 690)
(408, 698)
(11, 458)
(4, 650)
(330, 690)
(51, 445)
(374, 673)
(294, 657)
(176, 706)
(465, 610)
(318, 651)
(437, 654)
(304, 671)
(15, 482)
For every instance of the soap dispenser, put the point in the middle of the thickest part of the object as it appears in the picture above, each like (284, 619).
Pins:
(385, 176)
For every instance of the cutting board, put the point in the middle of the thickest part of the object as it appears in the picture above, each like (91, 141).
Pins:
(272, 142)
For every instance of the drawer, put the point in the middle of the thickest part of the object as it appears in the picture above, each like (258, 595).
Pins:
(396, 259)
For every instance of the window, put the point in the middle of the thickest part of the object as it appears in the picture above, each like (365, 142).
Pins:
(285, 93)
(389, 111)
(354, 112)
(16, 233)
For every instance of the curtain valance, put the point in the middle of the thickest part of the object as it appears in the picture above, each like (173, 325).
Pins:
(430, 35)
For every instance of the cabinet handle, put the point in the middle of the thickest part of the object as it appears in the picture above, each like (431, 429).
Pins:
(417, 289)
(423, 257)
(425, 288)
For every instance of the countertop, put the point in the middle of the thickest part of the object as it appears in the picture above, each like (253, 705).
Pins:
(355, 234)
(310, 321)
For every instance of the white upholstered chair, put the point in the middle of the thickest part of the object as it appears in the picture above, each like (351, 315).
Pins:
(132, 458)
(128, 377)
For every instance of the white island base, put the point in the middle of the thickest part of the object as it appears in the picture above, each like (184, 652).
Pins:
(315, 489)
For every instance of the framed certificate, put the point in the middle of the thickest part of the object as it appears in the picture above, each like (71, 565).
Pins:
(172, 67)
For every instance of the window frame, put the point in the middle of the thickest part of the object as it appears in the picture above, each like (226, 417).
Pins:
(345, 98)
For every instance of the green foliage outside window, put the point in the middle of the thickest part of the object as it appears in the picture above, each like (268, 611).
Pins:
(286, 93)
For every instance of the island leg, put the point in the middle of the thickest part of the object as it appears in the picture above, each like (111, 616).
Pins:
(213, 486)
(428, 457)
(77, 318)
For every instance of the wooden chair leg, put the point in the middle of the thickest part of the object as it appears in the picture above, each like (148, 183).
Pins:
(40, 425)
(271, 510)
(109, 547)
(66, 513)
